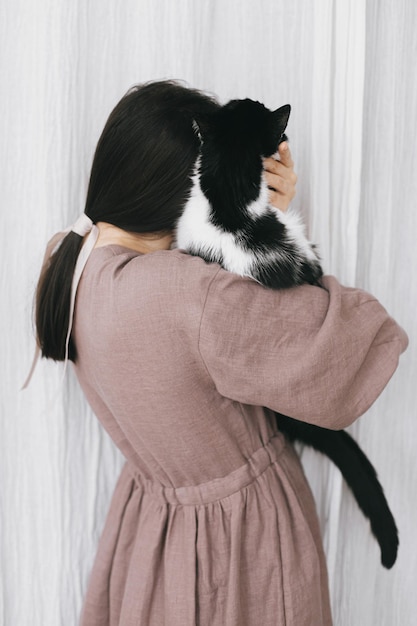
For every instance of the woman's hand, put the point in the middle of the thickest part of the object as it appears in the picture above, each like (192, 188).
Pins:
(281, 178)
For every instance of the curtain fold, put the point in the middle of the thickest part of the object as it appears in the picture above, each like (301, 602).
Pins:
(349, 71)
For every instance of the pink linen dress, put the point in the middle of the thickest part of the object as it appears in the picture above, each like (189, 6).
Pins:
(212, 522)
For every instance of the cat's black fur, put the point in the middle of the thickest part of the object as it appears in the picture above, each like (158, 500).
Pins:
(228, 220)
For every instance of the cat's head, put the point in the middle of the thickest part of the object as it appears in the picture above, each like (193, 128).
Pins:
(246, 125)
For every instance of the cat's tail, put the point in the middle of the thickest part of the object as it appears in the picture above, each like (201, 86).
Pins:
(358, 473)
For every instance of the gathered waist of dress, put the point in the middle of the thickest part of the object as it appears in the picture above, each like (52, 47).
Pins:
(217, 488)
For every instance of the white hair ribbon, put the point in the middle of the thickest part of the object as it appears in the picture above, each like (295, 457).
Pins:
(83, 226)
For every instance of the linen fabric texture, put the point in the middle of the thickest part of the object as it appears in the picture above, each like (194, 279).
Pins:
(212, 521)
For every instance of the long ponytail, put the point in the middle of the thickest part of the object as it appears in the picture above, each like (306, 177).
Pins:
(53, 297)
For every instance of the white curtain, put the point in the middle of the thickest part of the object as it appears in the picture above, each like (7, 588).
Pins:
(348, 68)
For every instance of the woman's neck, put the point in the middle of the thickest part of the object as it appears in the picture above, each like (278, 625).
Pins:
(141, 242)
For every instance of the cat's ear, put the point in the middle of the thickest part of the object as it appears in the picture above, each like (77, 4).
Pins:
(197, 130)
(202, 127)
(280, 119)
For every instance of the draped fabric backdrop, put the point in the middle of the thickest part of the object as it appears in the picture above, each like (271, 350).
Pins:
(348, 68)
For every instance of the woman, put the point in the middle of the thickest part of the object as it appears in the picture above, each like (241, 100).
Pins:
(212, 521)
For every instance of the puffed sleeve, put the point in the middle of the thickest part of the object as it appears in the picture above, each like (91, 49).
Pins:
(319, 355)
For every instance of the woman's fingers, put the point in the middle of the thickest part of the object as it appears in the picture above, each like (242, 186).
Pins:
(280, 185)
(281, 178)
(285, 154)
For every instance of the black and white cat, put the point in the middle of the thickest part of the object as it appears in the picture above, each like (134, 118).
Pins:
(228, 220)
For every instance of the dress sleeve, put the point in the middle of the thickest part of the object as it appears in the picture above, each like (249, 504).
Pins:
(322, 356)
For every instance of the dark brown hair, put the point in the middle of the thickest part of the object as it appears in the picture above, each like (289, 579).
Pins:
(139, 181)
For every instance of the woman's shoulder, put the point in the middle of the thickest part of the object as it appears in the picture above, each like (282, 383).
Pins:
(169, 273)
(119, 259)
